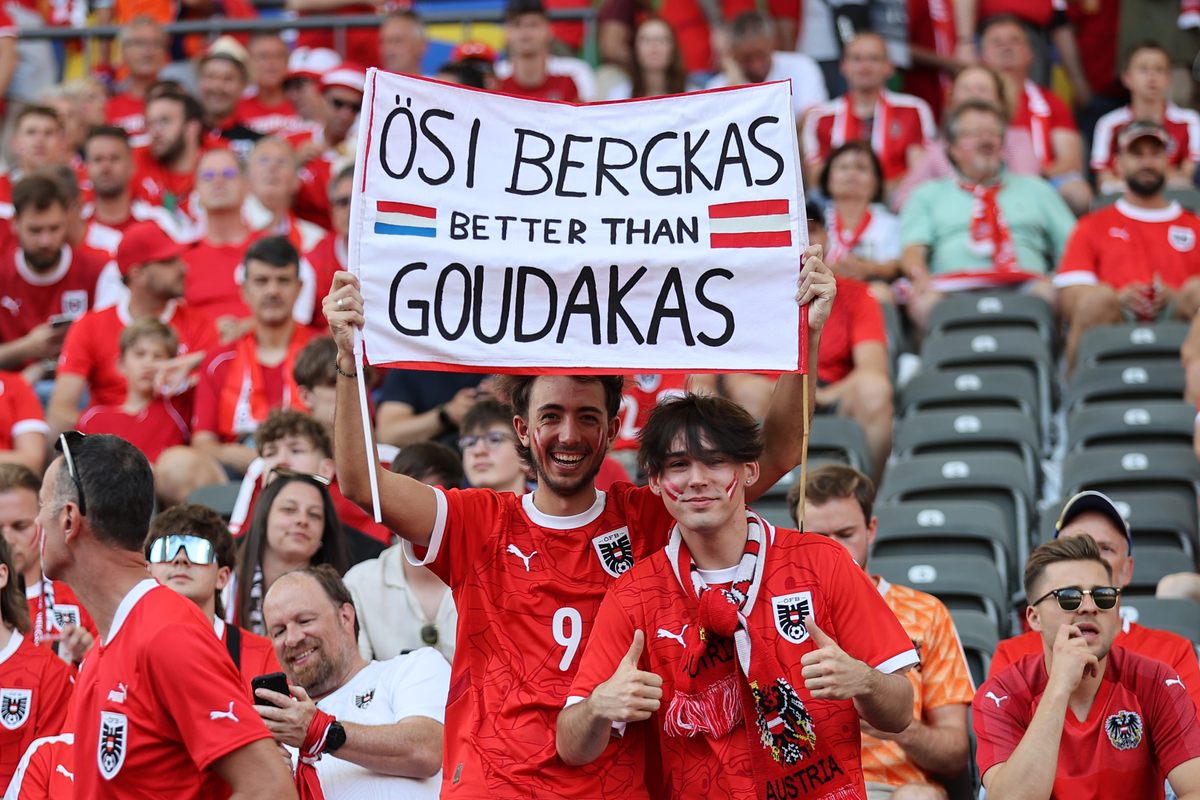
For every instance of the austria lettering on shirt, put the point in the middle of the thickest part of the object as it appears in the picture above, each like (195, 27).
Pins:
(642, 393)
(158, 702)
(1181, 124)
(1041, 113)
(92, 346)
(256, 654)
(899, 122)
(28, 298)
(35, 693)
(214, 278)
(161, 424)
(277, 120)
(527, 587)
(1141, 726)
(129, 113)
(1124, 244)
(20, 410)
(52, 607)
(554, 87)
(816, 576)
(326, 258)
(856, 319)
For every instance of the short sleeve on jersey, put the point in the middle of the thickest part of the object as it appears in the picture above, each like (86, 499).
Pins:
(466, 519)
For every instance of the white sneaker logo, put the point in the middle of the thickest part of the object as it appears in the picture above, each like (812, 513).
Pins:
(1174, 682)
(61, 770)
(224, 714)
(998, 700)
(663, 633)
(516, 551)
(117, 695)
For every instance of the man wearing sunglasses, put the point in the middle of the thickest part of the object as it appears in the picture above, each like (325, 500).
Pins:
(1083, 718)
(1094, 514)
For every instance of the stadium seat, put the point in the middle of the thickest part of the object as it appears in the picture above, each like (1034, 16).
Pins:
(916, 529)
(972, 389)
(1132, 344)
(979, 639)
(1023, 349)
(1150, 564)
(1125, 383)
(219, 497)
(961, 582)
(1157, 519)
(971, 432)
(997, 479)
(1114, 469)
(1151, 423)
(1171, 614)
(839, 439)
(993, 311)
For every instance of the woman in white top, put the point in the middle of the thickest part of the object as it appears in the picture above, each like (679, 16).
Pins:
(657, 68)
(864, 237)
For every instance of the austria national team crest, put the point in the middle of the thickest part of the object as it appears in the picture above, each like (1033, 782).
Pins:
(114, 741)
(14, 707)
(1124, 730)
(1181, 238)
(615, 551)
(790, 611)
(65, 615)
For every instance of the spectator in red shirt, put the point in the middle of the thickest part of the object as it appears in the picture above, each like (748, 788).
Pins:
(221, 81)
(144, 50)
(1139, 257)
(273, 180)
(302, 84)
(199, 567)
(266, 109)
(1004, 46)
(527, 34)
(23, 429)
(166, 167)
(402, 42)
(331, 146)
(330, 254)
(38, 140)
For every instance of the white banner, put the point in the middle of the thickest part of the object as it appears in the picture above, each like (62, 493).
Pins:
(493, 233)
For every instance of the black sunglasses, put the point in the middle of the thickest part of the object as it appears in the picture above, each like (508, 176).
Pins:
(343, 105)
(1071, 597)
(284, 472)
(63, 446)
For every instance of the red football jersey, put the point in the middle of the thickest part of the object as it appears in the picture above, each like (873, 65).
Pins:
(856, 318)
(20, 410)
(276, 120)
(1181, 124)
(52, 607)
(214, 282)
(35, 693)
(161, 424)
(30, 298)
(327, 257)
(527, 587)
(257, 654)
(158, 702)
(1123, 244)
(802, 570)
(46, 771)
(555, 87)
(642, 393)
(1170, 648)
(158, 185)
(899, 122)
(1140, 727)
(92, 346)
(128, 113)
(1041, 112)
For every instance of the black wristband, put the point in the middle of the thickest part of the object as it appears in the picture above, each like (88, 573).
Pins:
(342, 372)
(444, 418)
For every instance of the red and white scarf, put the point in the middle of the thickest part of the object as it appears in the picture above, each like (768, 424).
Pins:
(849, 128)
(757, 693)
(1039, 123)
(989, 231)
(308, 782)
(841, 242)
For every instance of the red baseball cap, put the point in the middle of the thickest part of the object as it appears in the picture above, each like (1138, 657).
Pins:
(478, 51)
(145, 242)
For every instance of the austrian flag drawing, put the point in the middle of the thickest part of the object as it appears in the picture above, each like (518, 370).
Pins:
(751, 223)
(405, 219)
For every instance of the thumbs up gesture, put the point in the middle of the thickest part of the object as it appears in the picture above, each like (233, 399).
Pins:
(631, 694)
(829, 673)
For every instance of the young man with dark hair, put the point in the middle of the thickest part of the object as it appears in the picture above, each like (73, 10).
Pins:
(265, 109)
(159, 708)
(190, 550)
(528, 573)
(754, 650)
(1083, 718)
(165, 170)
(489, 449)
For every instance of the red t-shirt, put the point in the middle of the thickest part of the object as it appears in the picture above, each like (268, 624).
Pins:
(217, 371)
(129, 113)
(1036, 12)
(899, 122)
(92, 347)
(1181, 124)
(856, 318)
(1169, 648)
(527, 587)
(327, 257)
(1041, 112)
(30, 298)
(277, 120)
(554, 87)
(48, 772)
(1096, 24)
(642, 393)
(214, 282)
(20, 410)
(257, 654)
(158, 185)
(158, 703)
(52, 607)
(1140, 727)
(159, 425)
(1123, 244)
(844, 602)
(361, 44)
(931, 26)
(35, 692)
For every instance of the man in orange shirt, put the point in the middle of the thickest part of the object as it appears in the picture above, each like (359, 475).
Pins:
(899, 765)
(1095, 514)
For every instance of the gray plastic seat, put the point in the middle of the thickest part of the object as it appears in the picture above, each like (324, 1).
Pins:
(1122, 423)
(995, 310)
(1125, 383)
(971, 432)
(970, 389)
(1113, 469)
(1132, 344)
(961, 582)
(1176, 615)
(1150, 565)
(979, 639)
(839, 439)
(219, 497)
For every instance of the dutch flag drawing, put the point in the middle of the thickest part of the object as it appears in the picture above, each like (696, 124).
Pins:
(752, 223)
(405, 219)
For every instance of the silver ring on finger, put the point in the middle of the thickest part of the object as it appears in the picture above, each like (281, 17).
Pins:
(341, 303)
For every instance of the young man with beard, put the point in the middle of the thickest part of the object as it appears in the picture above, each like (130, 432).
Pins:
(1138, 258)
(752, 650)
(1083, 718)
(528, 573)
(165, 169)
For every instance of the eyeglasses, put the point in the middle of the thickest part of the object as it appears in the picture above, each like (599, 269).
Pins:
(229, 173)
(1071, 597)
(343, 105)
(198, 550)
(492, 439)
(284, 472)
(65, 441)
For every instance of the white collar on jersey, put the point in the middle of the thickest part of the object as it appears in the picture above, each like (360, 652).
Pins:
(127, 603)
(44, 279)
(126, 317)
(219, 626)
(14, 642)
(1172, 211)
(563, 523)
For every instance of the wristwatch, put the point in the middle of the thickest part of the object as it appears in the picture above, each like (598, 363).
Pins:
(444, 418)
(335, 737)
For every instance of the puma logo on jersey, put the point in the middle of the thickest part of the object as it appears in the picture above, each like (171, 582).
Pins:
(663, 633)
(1174, 682)
(12, 306)
(516, 551)
(998, 700)
(61, 770)
(117, 695)
(1119, 233)
(224, 714)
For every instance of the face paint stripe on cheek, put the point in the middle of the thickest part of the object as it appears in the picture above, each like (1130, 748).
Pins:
(731, 487)
(671, 490)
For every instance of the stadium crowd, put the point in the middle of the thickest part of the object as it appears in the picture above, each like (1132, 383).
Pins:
(588, 587)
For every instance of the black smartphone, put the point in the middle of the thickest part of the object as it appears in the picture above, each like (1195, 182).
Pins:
(275, 681)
